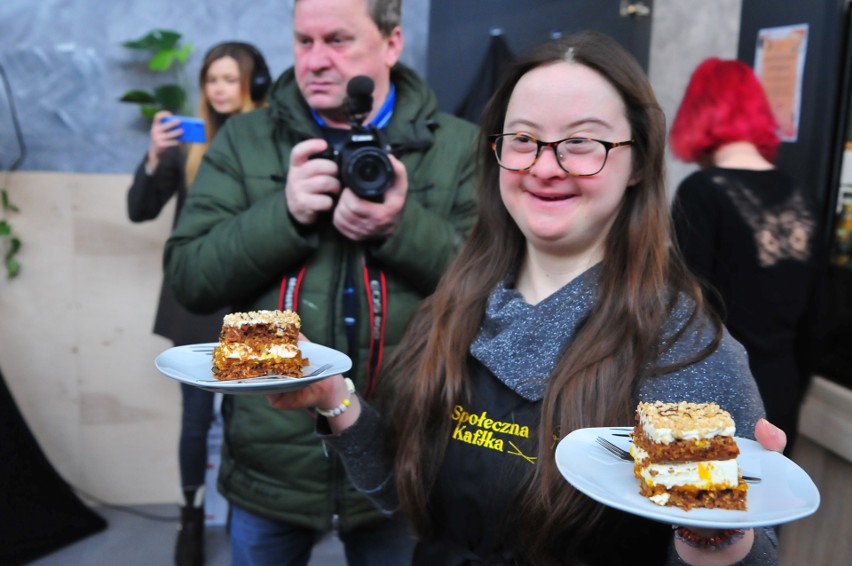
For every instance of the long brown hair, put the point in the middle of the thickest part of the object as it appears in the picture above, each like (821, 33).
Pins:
(594, 382)
(247, 57)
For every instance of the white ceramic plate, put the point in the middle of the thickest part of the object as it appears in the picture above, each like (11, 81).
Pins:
(786, 492)
(192, 365)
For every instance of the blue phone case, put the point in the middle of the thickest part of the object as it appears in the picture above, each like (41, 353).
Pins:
(193, 128)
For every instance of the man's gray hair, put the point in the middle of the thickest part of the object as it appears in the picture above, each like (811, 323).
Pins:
(387, 14)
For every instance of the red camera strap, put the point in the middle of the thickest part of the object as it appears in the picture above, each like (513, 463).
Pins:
(376, 295)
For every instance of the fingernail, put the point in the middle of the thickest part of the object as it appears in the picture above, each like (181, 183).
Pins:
(774, 430)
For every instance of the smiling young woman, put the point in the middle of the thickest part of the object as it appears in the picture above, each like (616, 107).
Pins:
(567, 305)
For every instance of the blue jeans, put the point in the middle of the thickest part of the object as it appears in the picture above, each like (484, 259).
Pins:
(196, 418)
(258, 541)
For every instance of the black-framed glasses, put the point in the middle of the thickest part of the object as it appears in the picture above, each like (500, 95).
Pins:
(580, 157)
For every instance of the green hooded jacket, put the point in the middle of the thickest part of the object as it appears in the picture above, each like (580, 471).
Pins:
(234, 242)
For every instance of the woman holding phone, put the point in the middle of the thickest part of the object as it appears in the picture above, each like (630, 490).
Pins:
(234, 78)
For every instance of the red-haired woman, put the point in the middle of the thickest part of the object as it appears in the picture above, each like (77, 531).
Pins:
(746, 228)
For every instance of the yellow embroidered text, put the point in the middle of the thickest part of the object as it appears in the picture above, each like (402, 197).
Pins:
(479, 430)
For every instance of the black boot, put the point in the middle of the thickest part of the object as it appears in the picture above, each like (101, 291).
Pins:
(189, 549)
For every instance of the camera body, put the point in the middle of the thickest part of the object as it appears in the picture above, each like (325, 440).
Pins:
(362, 159)
(362, 162)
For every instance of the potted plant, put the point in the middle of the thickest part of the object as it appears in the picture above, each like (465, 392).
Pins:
(168, 55)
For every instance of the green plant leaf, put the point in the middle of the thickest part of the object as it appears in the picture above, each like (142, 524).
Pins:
(182, 54)
(166, 55)
(7, 204)
(5, 228)
(14, 246)
(155, 40)
(138, 97)
(162, 60)
(171, 97)
(12, 268)
(148, 111)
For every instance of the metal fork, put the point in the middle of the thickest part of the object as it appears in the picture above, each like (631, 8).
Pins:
(274, 377)
(318, 371)
(616, 451)
(623, 454)
(271, 377)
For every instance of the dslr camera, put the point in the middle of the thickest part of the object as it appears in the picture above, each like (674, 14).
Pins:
(362, 158)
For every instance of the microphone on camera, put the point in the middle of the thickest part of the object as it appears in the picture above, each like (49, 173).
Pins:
(359, 91)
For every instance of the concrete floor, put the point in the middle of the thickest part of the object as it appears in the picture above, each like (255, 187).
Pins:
(145, 535)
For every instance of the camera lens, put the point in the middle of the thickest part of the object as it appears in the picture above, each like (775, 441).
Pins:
(368, 172)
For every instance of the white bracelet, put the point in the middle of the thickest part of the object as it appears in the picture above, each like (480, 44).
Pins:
(340, 409)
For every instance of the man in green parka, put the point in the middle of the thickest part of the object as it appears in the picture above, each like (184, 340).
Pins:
(265, 226)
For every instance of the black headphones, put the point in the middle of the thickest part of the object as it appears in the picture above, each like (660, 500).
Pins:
(260, 77)
(260, 80)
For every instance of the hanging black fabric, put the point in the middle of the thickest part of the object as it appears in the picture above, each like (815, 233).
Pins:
(39, 512)
(497, 58)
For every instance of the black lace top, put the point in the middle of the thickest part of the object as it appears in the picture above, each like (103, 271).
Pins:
(751, 235)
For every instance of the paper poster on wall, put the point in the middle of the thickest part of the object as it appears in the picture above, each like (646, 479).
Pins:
(779, 62)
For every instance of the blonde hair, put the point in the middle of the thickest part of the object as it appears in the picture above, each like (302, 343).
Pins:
(246, 57)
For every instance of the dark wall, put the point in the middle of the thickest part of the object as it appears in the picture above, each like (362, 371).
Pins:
(813, 159)
(816, 157)
(460, 30)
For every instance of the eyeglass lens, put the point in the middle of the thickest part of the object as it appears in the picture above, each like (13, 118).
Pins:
(579, 156)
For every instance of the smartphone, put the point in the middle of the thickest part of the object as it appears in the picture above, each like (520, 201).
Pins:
(193, 128)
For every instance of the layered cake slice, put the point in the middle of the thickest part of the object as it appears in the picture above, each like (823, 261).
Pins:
(258, 343)
(685, 455)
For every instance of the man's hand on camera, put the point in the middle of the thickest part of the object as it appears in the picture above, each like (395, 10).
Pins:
(312, 184)
(360, 219)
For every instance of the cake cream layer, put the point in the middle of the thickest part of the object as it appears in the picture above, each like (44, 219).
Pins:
(710, 474)
(667, 422)
(716, 448)
(237, 351)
